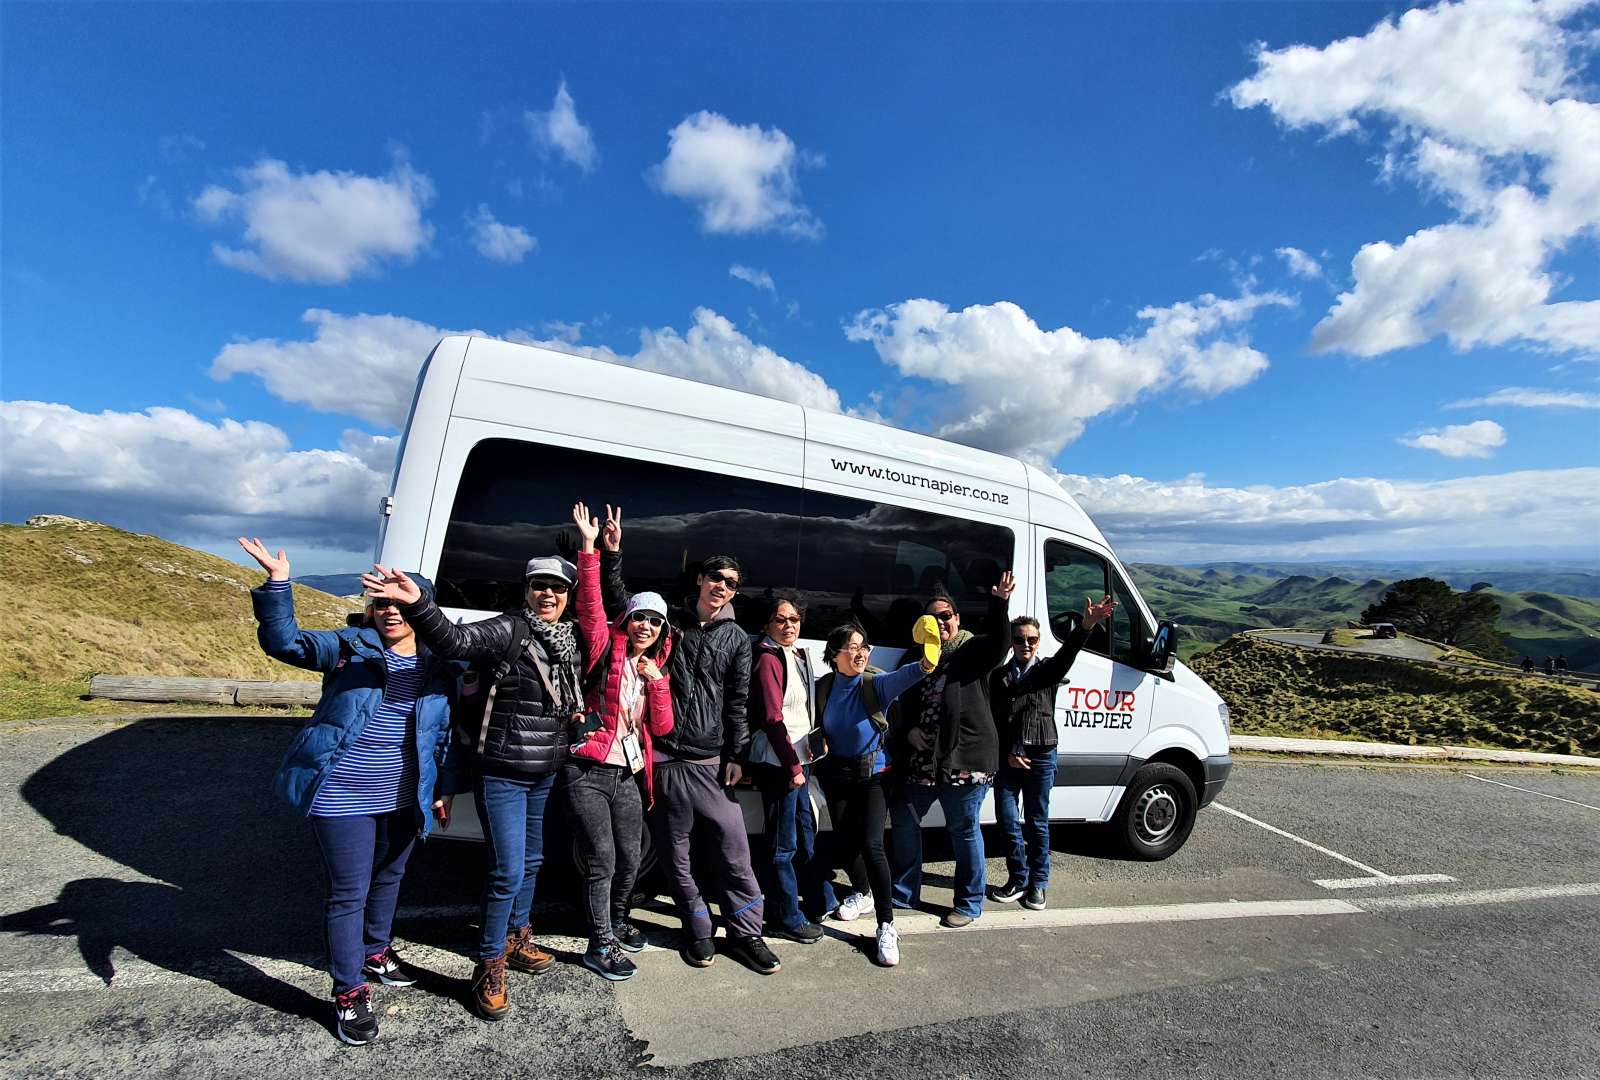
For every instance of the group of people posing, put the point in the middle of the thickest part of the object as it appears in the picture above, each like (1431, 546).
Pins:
(649, 714)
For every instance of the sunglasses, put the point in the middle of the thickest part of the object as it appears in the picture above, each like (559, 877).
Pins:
(944, 616)
(1021, 640)
(730, 582)
(381, 603)
(555, 585)
(786, 620)
(647, 617)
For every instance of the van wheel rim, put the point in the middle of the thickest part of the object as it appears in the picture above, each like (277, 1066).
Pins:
(1155, 815)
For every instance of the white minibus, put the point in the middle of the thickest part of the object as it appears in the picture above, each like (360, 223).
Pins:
(860, 519)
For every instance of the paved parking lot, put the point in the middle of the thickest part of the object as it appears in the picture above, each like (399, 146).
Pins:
(160, 915)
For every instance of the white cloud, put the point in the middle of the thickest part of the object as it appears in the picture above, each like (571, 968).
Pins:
(321, 227)
(1526, 397)
(1481, 102)
(355, 365)
(1300, 264)
(560, 130)
(1190, 520)
(759, 278)
(1478, 439)
(497, 241)
(1026, 390)
(714, 351)
(166, 471)
(743, 178)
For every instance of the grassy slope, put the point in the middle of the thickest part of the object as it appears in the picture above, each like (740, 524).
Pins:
(82, 601)
(1278, 690)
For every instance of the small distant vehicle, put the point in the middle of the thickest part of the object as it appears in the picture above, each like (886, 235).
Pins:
(858, 518)
(1384, 630)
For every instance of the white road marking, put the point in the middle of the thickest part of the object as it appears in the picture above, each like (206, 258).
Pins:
(1372, 882)
(1347, 860)
(1481, 896)
(1530, 791)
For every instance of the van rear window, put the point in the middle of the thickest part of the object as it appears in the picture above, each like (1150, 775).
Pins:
(847, 558)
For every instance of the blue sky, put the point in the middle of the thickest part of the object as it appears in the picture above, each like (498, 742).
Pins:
(1259, 280)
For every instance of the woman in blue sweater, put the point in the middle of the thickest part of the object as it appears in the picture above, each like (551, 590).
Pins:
(852, 774)
(362, 771)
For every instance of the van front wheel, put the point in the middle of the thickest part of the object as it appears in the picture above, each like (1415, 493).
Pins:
(1157, 812)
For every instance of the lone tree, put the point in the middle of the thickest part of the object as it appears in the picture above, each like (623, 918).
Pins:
(1428, 608)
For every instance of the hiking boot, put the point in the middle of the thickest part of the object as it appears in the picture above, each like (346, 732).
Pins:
(853, 907)
(523, 955)
(385, 966)
(628, 936)
(1009, 893)
(1034, 900)
(955, 920)
(806, 933)
(489, 997)
(888, 944)
(357, 1026)
(699, 952)
(606, 959)
(753, 953)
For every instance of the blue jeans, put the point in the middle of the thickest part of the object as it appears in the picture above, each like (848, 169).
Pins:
(791, 832)
(961, 806)
(512, 814)
(1028, 859)
(365, 857)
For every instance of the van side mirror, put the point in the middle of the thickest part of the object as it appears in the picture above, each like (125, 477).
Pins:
(1164, 648)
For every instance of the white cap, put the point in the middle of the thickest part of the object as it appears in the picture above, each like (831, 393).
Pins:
(646, 601)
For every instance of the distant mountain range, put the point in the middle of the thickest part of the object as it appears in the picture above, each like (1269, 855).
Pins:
(1564, 578)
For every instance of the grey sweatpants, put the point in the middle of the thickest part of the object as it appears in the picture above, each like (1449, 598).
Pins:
(688, 794)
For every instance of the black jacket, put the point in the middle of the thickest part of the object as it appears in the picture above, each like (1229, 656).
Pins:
(527, 733)
(966, 740)
(1025, 708)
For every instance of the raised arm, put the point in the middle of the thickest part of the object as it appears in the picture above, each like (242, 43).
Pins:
(279, 634)
(591, 609)
(993, 645)
(486, 640)
(612, 588)
(1052, 669)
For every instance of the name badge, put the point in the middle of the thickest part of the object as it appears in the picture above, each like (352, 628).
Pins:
(632, 751)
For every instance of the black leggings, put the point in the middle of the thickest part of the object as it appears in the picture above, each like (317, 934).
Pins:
(860, 811)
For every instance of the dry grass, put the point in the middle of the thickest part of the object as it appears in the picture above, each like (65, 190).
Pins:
(86, 600)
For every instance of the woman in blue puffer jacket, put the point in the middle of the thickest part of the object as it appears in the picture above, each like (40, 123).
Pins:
(363, 771)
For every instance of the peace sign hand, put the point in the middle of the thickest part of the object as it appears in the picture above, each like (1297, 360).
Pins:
(277, 568)
(611, 531)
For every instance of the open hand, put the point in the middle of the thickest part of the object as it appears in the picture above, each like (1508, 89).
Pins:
(1005, 586)
(1094, 614)
(277, 567)
(611, 531)
(588, 527)
(382, 583)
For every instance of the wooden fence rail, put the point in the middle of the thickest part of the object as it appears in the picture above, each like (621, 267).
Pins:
(212, 691)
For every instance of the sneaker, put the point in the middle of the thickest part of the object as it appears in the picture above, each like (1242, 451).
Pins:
(627, 936)
(1009, 893)
(607, 960)
(806, 933)
(489, 997)
(888, 944)
(699, 952)
(853, 907)
(955, 920)
(753, 953)
(1034, 901)
(522, 954)
(386, 968)
(357, 1026)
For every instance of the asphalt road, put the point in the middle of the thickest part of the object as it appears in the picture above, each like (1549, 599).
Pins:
(160, 916)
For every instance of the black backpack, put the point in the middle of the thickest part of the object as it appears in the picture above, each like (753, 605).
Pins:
(481, 682)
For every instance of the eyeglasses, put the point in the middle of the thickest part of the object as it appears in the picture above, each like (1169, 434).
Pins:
(729, 582)
(646, 616)
(786, 620)
(944, 616)
(1021, 640)
(861, 648)
(555, 585)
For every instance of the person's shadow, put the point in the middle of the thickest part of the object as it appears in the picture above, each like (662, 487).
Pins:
(236, 873)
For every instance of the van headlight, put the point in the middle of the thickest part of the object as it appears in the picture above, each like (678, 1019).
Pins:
(1222, 714)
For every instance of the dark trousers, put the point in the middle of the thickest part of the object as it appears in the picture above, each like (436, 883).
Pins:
(364, 857)
(607, 815)
(860, 810)
(512, 815)
(792, 867)
(690, 795)
(1028, 850)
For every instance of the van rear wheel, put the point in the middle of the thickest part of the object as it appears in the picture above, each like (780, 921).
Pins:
(1157, 812)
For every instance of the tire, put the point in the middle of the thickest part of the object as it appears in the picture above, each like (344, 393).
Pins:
(1156, 814)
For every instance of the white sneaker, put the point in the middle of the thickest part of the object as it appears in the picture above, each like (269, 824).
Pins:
(853, 907)
(888, 944)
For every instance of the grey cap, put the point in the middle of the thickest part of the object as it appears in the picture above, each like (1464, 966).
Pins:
(646, 601)
(551, 566)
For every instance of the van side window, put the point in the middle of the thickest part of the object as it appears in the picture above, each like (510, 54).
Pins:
(849, 558)
(1129, 637)
(1072, 575)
